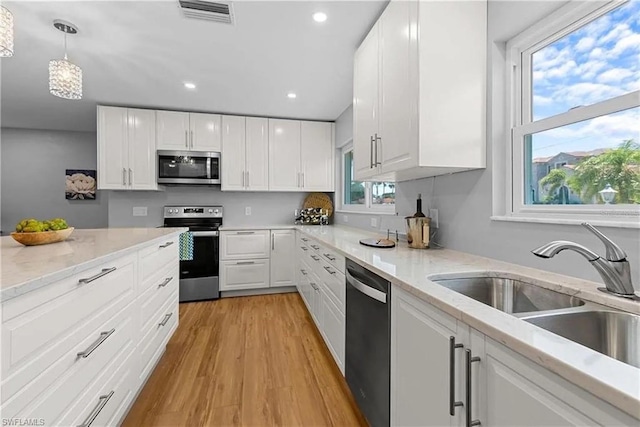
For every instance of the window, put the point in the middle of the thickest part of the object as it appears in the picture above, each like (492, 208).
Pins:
(575, 114)
(364, 196)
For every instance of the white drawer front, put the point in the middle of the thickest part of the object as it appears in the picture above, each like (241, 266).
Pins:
(158, 256)
(333, 258)
(162, 287)
(57, 389)
(335, 284)
(333, 323)
(244, 244)
(153, 341)
(36, 331)
(251, 274)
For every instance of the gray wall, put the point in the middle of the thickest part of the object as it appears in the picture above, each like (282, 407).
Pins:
(464, 200)
(33, 177)
(266, 208)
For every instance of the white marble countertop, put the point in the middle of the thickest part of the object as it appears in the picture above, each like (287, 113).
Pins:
(412, 269)
(257, 227)
(26, 268)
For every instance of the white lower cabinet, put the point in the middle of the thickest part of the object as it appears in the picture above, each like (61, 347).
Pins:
(249, 274)
(429, 374)
(77, 351)
(283, 250)
(333, 328)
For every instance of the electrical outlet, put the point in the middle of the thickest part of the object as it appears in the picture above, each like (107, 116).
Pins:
(247, 211)
(139, 211)
(433, 214)
(345, 218)
(374, 222)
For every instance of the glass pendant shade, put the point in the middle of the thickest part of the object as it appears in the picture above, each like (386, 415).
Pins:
(6, 33)
(65, 79)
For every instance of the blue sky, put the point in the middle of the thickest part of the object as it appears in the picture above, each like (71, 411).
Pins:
(597, 62)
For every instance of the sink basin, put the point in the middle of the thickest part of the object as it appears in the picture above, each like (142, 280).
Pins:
(509, 295)
(614, 334)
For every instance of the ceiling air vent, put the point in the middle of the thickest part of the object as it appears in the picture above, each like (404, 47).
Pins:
(217, 11)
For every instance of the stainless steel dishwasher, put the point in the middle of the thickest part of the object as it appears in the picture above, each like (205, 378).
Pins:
(368, 342)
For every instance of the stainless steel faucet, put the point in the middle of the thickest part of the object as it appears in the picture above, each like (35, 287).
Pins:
(614, 269)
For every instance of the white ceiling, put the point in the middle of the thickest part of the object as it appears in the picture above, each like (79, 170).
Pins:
(139, 53)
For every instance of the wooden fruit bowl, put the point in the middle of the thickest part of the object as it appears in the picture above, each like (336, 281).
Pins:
(43, 237)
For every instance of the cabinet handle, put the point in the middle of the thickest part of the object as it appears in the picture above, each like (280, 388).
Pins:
(191, 142)
(102, 338)
(304, 273)
(329, 270)
(315, 247)
(124, 176)
(104, 272)
(102, 402)
(245, 262)
(314, 286)
(130, 180)
(247, 178)
(329, 257)
(469, 361)
(273, 242)
(376, 146)
(452, 375)
(302, 173)
(304, 248)
(246, 232)
(186, 139)
(166, 319)
(372, 147)
(304, 239)
(165, 282)
(243, 179)
(315, 258)
(165, 245)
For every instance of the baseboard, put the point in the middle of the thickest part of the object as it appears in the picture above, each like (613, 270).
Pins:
(263, 291)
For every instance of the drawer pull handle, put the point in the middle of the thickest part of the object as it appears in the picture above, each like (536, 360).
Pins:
(304, 273)
(245, 262)
(453, 404)
(102, 402)
(469, 360)
(304, 248)
(246, 232)
(315, 247)
(329, 257)
(102, 338)
(165, 282)
(329, 270)
(304, 240)
(165, 320)
(315, 258)
(166, 245)
(104, 272)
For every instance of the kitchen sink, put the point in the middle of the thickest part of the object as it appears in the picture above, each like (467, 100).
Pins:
(509, 295)
(614, 334)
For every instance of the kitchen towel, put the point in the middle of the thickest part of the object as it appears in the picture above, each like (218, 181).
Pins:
(186, 246)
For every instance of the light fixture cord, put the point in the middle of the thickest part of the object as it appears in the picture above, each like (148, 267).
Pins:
(65, 46)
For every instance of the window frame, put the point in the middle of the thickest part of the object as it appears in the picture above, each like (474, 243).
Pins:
(368, 206)
(520, 49)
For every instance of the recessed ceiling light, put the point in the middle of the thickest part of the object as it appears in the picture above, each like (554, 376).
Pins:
(190, 85)
(319, 16)
(291, 95)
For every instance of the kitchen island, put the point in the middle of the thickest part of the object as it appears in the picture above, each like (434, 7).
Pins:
(85, 321)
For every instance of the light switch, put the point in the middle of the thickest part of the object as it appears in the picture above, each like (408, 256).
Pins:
(139, 211)
(247, 210)
(374, 222)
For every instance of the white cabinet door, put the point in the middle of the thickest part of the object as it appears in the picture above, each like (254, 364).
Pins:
(333, 324)
(204, 132)
(420, 364)
(172, 130)
(112, 148)
(233, 153)
(248, 274)
(284, 155)
(365, 105)
(317, 156)
(257, 154)
(283, 252)
(142, 150)
(397, 148)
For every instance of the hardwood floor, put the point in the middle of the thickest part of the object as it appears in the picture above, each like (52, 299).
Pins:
(246, 361)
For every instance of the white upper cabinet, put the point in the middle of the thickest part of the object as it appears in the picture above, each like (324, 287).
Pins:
(172, 130)
(177, 130)
(419, 103)
(317, 156)
(257, 154)
(284, 155)
(233, 153)
(205, 132)
(126, 149)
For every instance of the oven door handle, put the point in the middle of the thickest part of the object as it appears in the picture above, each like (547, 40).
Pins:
(365, 289)
(205, 233)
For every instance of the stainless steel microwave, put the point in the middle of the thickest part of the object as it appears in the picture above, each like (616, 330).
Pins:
(188, 167)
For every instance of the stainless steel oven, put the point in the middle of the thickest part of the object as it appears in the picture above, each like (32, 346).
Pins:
(198, 276)
(188, 167)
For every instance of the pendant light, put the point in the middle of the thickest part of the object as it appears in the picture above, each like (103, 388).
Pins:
(6, 33)
(65, 78)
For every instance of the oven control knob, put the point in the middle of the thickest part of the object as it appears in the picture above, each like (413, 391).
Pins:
(216, 211)
(210, 210)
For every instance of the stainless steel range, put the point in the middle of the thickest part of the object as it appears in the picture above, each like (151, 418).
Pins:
(198, 277)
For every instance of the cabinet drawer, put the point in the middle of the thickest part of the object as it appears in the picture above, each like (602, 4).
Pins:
(162, 287)
(154, 339)
(333, 258)
(245, 244)
(37, 332)
(59, 386)
(334, 282)
(155, 257)
(252, 274)
(333, 324)
(314, 245)
(303, 240)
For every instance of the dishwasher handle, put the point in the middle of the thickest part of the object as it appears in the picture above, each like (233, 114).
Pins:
(366, 289)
